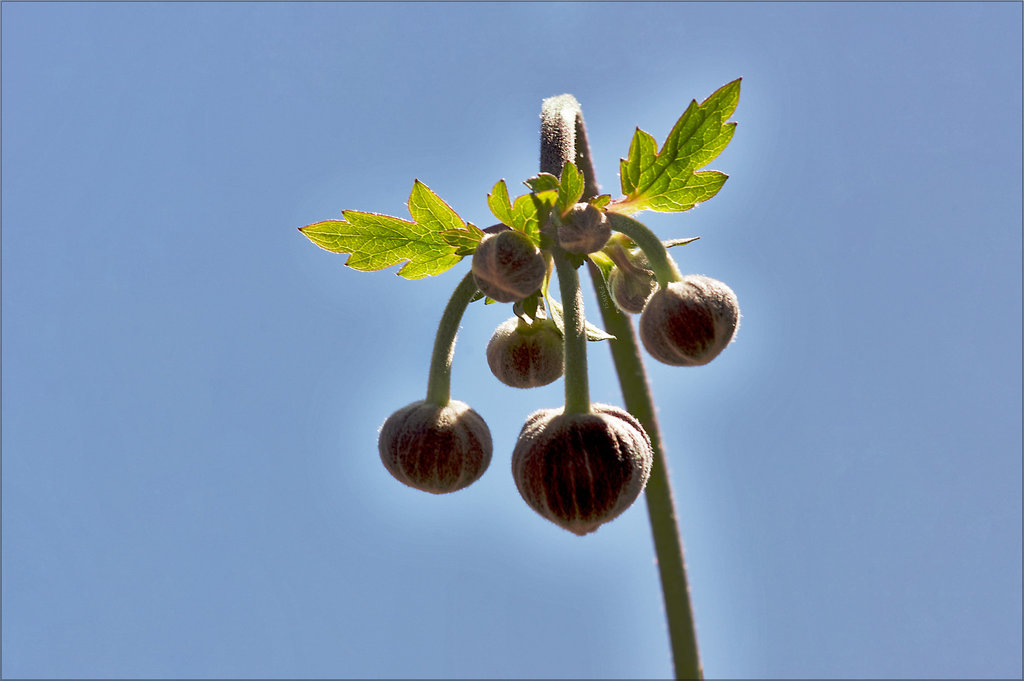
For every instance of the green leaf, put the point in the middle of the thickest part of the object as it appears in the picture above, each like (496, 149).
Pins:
(601, 201)
(526, 309)
(433, 243)
(642, 152)
(499, 203)
(592, 332)
(379, 241)
(684, 193)
(430, 212)
(530, 211)
(668, 180)
(543, 182)
(570, 188)
(465, 241)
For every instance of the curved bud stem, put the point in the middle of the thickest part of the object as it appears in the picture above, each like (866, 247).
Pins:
(556, 115)
(617, 254)
(577, 385)
(439, 382)
(662, 264)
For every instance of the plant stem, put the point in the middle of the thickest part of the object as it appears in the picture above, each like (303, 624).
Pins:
(561, 120)
(662, 264)
(439, 382)
(577, 386)
(660, 507)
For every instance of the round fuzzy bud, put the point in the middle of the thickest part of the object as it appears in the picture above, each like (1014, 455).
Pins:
(581, 470)
(508, 267)
(435, 449)
(689, 322)
(631, 286)
(585, 229)
(525, 355)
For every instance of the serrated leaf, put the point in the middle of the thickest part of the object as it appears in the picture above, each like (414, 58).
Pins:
(499, 203)
(570, 188)
(642, 151)
(464, 240)
(376, 241)
(530, 211)
(600, 201)
(667, 180)
(542, 182)
(429, 211)
(593, 333)
(684, 193)
(432, 243)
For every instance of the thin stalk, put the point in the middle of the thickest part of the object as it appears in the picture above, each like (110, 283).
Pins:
(662, 264)
(562, 120)
(668, 545)
(577, 385)
(439, 382)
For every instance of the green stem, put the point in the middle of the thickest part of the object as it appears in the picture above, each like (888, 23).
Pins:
(562, 119)
(660, 507)
(439, 382)
(577, 386)
(662, 264)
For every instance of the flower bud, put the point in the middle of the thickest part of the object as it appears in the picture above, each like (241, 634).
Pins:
(631, 284)
(508, 267)
(581, 470)
(689, 322)
(435, 449)
(585, 229)
(525, 355)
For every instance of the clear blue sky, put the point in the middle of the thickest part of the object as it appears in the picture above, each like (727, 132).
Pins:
(192, 391)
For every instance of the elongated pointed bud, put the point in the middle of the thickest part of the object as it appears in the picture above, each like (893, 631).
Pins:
(581, 470)
(689, 322)
(435, 449)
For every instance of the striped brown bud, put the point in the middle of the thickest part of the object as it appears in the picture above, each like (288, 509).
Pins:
(508, 267)
(689, 322)
(630, 283)
(581, 470)
(525, 355)
(435, 449)
(584, 229)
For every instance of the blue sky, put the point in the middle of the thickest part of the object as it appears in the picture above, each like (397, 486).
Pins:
(191, 391)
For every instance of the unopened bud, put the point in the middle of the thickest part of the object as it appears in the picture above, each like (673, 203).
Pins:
(508, 267)
(581, 470)
(585, 229)
(689, 322)
(630, 283)
(525, 355)
(435, 449)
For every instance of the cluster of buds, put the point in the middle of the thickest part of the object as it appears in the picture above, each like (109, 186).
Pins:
(583, 464)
